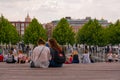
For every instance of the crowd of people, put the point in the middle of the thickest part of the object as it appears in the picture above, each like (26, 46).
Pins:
(112, 57)
(43, 55)
(51, 54)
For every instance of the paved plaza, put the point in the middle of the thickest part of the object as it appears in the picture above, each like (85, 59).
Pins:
(95, 71)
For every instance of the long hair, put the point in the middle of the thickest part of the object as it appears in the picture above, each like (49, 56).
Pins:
(53, 44)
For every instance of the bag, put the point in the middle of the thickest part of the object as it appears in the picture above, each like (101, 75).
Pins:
(32, 65)
(59, 57)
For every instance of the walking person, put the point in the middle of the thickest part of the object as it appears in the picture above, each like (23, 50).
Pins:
(57, 59)
(41, 55)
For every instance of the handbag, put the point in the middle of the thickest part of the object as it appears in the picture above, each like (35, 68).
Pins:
(32, 64)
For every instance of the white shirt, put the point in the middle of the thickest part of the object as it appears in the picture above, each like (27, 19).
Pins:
(43, 60)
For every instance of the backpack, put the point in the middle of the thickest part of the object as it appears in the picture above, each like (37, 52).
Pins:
(59, 57)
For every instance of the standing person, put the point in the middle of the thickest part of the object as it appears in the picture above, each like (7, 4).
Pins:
(55, 49)
(86, 57)
(14, 51)
(1, 50)
(41, 55)
(27, 50)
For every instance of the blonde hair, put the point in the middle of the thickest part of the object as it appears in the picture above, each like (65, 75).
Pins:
(75, 52)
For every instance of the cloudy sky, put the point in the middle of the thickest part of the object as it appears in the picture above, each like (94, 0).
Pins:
(48, 10)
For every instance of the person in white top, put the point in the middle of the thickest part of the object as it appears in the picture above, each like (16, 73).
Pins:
(41, 55)
(21, 57)
(115, 57)
(14, 51)
(86, 57)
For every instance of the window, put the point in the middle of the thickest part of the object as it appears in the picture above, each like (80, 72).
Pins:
(22, 32)
(22, 28)
(22, 25)
(18, 26)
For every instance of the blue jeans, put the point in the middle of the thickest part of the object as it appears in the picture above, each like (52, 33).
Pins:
(75, 61)
(54, 64)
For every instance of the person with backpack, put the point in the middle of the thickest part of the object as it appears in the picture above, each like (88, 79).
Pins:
(10, 57)
(58, 56)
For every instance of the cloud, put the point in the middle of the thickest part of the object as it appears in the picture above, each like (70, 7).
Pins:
(47, 10)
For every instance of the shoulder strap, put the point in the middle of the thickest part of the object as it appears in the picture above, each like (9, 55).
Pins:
(40, 52)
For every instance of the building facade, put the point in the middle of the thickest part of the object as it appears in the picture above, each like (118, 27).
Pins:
(78, 23)
(75, 23)
(21, 25)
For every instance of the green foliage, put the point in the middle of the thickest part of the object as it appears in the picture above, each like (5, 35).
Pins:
(63, 33)
(33, 32)
(91, 34)
(114, 33)
(8, 33)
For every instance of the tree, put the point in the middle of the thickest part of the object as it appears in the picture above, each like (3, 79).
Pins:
(8, 33)
(91, 34)
(63, 33)
(114, 33)
(33, 32)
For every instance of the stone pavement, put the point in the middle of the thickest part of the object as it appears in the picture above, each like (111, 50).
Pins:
(95, 71)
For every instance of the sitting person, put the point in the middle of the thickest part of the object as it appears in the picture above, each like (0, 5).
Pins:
(40, 56)
(110, 57)
(58, 56)
(75, 57)
(21, 57)
(10, 57)
(69, 60)
(1, 54)
(115, 57)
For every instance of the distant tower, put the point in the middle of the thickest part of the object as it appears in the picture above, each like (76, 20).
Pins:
(28, 19)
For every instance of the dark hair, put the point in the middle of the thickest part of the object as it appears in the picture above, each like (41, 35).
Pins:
(86, 51)
(53, 44)
(11, 52)
(41, 41)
